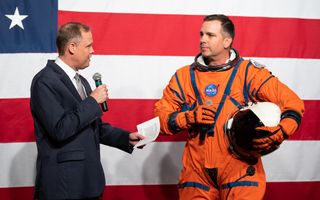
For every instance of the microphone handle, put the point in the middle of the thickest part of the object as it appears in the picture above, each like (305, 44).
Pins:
(104, 105)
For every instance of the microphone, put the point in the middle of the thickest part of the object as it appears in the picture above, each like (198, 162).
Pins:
(97, 79)
(250, 172)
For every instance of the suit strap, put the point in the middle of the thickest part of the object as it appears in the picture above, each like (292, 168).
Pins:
(180, 88)
(225, 94)
(194, 85)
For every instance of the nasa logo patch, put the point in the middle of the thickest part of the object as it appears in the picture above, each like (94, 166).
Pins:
(211, 90)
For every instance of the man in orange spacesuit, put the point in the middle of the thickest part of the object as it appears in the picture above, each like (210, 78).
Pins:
(202, 96)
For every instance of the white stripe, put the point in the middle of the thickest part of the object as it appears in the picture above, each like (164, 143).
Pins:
(17, 166)
(144, 77)
(160, 163)
(271, 8)
(17, 71)
(294, 161)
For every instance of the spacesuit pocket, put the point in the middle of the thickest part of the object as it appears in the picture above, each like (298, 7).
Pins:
(75, 155)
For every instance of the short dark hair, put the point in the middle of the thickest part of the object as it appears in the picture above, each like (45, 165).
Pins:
(67, 32)
(226, 23)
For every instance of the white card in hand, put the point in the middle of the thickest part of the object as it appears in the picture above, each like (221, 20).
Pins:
(150, 129)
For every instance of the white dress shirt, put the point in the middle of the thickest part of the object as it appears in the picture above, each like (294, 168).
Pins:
(69, 71)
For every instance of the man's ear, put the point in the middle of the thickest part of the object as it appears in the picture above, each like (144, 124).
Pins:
(227, 42)
(72, 47)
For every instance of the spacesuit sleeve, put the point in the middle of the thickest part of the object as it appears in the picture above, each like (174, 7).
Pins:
(171, 101)
(266, 87)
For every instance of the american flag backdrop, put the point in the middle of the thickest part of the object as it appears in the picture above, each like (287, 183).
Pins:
(138, 46)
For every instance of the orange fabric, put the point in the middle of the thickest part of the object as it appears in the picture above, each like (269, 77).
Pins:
(286, 127)
(272, 141)
(229, 175)
(203, 114)
(289, 126)
(213, 151)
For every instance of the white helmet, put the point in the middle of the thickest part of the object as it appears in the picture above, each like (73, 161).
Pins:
(240, 129)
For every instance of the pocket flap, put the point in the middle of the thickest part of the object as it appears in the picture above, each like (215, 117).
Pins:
(75, 155)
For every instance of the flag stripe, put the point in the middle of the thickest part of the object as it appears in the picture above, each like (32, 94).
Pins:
(292, 190)
(154, 164)
(126, 75)
(149, 34)
(297, 9)
(138, 48)
(17, 124)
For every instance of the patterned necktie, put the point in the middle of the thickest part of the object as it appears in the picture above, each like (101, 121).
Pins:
(80, 86)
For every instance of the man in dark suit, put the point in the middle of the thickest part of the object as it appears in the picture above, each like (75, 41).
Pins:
(67, 123)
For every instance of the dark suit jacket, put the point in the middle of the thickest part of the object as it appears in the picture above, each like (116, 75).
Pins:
(68, 131)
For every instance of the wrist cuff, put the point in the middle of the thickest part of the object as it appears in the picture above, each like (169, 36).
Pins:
(177, 122)
(288, 126)
(293, 115)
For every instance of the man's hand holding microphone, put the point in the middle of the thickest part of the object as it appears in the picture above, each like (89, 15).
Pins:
(100, 94)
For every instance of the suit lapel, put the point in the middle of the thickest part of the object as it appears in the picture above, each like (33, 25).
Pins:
(64, 78)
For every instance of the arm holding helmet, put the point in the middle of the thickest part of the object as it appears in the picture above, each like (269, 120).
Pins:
(275, 135)
(270, 88)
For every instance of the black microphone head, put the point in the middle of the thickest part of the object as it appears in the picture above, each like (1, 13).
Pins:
(251, 171)
(96, 76)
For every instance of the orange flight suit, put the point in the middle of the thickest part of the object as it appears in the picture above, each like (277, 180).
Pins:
(209, 170)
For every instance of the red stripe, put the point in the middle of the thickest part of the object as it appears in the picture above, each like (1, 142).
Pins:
(17, 125)
(292, 190)
(178, 35)
(275, 190)
(16, 121)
